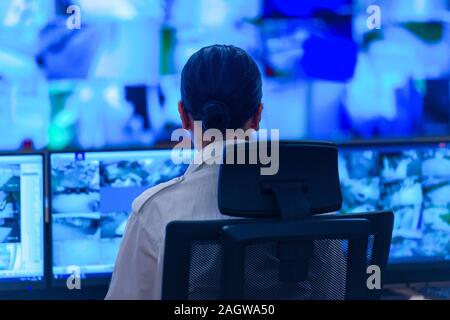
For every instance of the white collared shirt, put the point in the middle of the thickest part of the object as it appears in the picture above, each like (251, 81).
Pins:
(193, 196)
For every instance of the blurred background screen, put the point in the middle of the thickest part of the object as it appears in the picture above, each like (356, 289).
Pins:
(114, 81)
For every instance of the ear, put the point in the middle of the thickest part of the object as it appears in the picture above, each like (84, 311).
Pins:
(186, 120)
(256, 119)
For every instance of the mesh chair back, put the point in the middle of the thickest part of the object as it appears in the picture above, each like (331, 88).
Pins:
(194, 263)
(261, 272)
(326, 278)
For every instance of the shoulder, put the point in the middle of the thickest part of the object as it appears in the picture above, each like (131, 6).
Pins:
(151, 193)
(172, 194)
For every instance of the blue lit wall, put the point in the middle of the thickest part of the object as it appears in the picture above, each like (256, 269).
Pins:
(115, 81)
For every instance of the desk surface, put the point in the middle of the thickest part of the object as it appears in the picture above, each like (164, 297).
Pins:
(412, 291)
(99, 292)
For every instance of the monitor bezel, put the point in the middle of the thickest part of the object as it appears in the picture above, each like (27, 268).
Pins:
(17, 285)
(409, 272)
(89, 280)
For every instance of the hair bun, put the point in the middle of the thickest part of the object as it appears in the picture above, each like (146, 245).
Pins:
(216, 114)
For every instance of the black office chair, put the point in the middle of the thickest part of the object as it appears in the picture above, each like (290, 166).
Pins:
(283, 250)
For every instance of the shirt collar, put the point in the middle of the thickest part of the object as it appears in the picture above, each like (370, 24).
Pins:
(211, 154)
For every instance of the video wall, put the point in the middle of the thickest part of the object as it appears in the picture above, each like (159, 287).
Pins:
(329, 72)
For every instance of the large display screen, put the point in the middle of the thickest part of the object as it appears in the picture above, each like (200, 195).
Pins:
(21, 219)
(106, 74)
(91, 197)
(411, 180)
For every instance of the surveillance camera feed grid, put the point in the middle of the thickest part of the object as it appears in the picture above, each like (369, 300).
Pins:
(91, 203)
(415, 185)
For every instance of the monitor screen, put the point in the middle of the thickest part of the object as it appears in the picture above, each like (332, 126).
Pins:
(91, 197)
(21, 220)
(412, 180)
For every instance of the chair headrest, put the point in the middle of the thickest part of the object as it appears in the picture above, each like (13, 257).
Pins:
(306, 170)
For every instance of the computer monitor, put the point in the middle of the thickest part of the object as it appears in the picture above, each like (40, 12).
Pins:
(413, 180)
(90, 201)
(21, 222)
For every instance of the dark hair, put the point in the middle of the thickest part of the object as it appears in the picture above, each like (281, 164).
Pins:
(221, 86)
